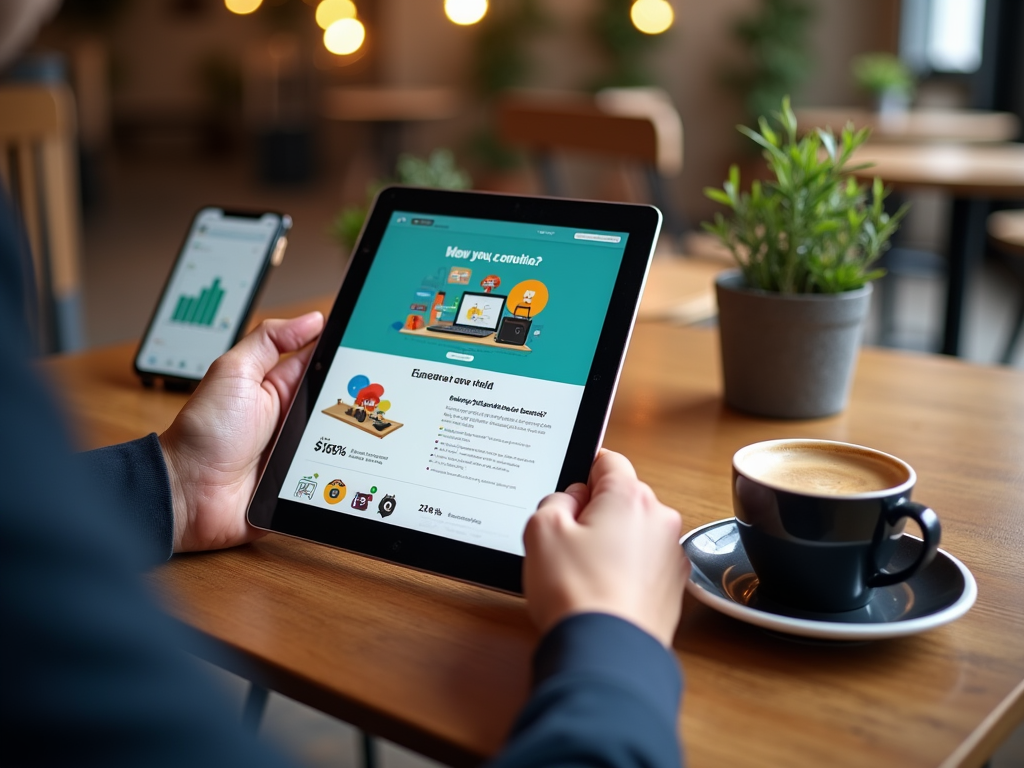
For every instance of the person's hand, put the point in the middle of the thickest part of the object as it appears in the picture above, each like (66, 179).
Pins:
(608, 547)
(217, 445)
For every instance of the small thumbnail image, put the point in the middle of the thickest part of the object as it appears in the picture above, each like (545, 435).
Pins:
(459, 275)
(368, 409)
(361, 501)
(387, 505)
(334, 492)
(306, 486)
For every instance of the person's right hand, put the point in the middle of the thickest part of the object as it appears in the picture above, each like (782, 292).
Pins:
(607, 547)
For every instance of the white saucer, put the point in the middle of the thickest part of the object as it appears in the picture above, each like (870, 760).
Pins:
(723, 579)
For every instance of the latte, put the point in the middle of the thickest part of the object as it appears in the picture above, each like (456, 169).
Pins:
(823, 469)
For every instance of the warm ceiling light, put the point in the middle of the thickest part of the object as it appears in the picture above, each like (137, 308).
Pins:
(465, 11)
(330, 11)
(652, 17)
(242, 7)
(344, 36)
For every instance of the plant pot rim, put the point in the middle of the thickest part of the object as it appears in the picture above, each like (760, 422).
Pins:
(733, 280)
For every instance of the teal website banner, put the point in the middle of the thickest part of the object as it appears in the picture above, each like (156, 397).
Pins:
(522, 299)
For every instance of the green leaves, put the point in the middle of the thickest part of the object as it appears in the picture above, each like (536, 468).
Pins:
(813, 228)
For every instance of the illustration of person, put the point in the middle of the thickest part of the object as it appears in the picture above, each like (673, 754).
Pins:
(368, 403)
(474, 312)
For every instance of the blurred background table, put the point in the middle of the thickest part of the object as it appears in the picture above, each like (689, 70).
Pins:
(970, 174)
(968, 126)
(442, 667)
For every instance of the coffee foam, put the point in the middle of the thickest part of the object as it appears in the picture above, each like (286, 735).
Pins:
(823, 469)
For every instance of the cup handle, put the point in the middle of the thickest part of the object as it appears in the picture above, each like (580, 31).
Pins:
(931, 533)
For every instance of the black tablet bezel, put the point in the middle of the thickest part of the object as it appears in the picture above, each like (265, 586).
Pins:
(429, 552)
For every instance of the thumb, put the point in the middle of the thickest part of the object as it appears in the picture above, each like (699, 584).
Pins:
(257, 354)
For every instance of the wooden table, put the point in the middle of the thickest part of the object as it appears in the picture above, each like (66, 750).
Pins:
(917, 125)
(442, 667)
(970, 174)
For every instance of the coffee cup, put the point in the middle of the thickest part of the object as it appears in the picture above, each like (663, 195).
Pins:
(820, 521)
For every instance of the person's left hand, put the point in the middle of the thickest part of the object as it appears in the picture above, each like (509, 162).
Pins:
(217, 445)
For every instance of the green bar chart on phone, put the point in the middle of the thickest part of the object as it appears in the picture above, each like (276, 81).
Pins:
(201, 309)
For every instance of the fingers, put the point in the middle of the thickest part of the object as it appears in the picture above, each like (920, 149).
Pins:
(286, 375)
(566, 505)
(292, 335)
(581, 493)
(260, 351)
(610, 468)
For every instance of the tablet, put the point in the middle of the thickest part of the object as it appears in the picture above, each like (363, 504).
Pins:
(465, 372)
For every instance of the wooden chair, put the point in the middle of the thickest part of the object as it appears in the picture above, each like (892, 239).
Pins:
(639, 126)
(1006, 233)
(37, 165)
(634, 126)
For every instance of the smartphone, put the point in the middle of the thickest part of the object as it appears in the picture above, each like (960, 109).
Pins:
(210, 293)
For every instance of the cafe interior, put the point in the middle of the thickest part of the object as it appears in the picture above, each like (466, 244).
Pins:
(142, 112)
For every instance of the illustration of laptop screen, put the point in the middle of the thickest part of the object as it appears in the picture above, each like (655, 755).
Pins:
(479, 310)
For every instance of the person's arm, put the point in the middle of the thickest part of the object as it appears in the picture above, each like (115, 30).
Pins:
(188, 489)
(604, 577)
(93, 673)
(135, 476)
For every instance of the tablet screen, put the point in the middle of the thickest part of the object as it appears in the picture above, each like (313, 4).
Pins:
(451, 399)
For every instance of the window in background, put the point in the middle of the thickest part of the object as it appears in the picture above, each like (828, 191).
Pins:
(943, 36)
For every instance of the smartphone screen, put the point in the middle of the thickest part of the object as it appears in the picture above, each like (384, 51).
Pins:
(209, 293)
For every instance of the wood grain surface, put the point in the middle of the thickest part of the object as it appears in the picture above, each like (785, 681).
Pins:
(963, 170)
(442, 667)
(916, 125)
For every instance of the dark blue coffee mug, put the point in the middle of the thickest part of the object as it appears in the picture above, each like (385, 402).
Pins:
(820, 521)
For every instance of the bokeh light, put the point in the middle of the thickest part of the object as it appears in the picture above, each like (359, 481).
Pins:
(242, 7)
(465, 11)
(330, 11)
(652, 17)
(344, 36)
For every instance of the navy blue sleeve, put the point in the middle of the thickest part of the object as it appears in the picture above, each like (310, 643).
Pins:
(136, 475)
(93, 673)
(605, 694)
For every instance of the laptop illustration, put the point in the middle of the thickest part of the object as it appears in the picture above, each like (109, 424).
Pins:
(477, 314)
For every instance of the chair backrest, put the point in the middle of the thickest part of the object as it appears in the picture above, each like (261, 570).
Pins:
(638, 126)
(37, 165)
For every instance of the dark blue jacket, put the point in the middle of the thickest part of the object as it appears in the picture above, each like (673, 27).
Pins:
(94, 674)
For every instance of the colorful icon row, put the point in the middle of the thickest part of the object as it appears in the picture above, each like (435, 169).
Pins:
(336, 490)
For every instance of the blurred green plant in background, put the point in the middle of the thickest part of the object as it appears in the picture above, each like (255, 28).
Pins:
(503, 62)
(777, 41)
(625, 47)
(880, 73)
(437, 171)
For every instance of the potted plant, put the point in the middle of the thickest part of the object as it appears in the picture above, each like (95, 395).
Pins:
(887, 79)
(792, 316)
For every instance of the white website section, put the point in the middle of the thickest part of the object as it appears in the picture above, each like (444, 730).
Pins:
(457, 452)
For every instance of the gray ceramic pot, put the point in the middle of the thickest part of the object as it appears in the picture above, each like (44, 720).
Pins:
(788, 356)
